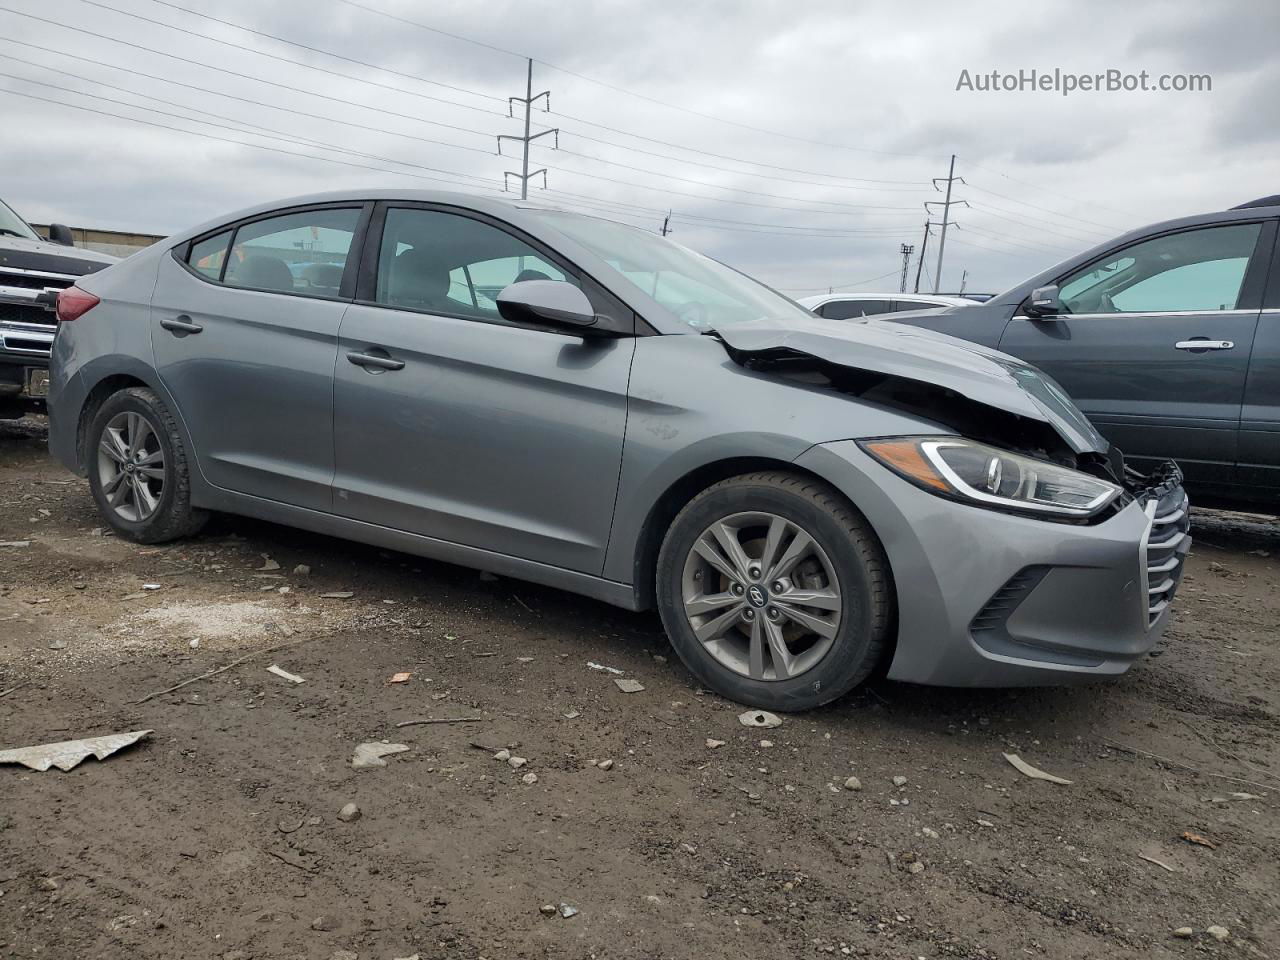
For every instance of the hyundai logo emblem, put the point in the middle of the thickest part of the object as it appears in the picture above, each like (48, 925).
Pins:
(757, 596)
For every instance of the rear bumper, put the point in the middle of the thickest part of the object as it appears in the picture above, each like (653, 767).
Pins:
(991, 599)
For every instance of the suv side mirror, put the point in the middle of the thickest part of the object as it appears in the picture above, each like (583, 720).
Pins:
(554, 302)
(61, 233)
(1045, 303)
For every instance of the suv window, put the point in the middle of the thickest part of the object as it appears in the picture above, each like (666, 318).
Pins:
(1197, 270)
(852, 309)
(446, 263)
(915, 305)
(208, 256)
(301, 253)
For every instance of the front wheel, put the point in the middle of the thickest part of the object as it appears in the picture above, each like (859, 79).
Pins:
(774, 591)
(138, 469)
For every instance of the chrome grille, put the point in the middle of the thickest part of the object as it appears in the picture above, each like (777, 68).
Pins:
(1167, 544)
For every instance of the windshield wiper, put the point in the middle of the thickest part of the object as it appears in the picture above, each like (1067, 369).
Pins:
(12, 233)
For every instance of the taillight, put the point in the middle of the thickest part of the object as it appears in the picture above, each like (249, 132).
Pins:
(74, 303)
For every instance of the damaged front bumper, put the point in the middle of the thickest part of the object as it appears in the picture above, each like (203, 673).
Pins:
(987, 598)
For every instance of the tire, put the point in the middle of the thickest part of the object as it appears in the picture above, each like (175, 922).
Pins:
(161, 508)
(824, 652)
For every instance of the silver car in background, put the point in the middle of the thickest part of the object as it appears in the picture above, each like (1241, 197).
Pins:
(576, 402)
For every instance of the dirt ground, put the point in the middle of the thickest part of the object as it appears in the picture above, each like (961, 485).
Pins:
(218, 835)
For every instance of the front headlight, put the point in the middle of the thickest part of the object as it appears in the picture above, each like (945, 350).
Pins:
(987, 476)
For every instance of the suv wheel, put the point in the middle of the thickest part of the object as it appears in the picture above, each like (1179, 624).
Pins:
(138, 469)
(774, 591)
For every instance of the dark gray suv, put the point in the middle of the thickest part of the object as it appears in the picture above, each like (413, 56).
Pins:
(1168, 338)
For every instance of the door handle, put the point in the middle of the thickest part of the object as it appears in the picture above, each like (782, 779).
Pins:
(373, 360)
(1195, 345)
(181, 324)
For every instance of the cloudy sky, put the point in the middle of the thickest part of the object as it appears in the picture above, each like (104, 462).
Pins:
(796, 141)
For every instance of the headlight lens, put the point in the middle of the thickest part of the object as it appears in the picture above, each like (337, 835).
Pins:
(988, 476)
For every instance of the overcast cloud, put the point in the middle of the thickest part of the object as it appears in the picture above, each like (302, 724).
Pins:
(874, 82)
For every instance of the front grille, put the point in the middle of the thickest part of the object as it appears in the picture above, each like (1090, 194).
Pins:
(990, 620)
(1168, 542)
(34, 281)
(25, 313)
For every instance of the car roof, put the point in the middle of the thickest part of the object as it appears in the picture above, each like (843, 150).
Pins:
(938, 298)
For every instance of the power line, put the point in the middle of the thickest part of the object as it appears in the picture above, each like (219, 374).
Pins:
(320, 50)
(280, 59)
(1077, 234)
(854, 283)
(242, 76)
(1014, 240)
(631, 93)
(1033, 186)
(241, 143)
(1024, 203)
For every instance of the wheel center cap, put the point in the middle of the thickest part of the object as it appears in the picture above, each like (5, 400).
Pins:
(128, 468)
(757, 595)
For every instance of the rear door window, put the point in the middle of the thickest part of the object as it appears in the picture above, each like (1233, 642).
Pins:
(299, 253)
(208, 255)
(853, 309)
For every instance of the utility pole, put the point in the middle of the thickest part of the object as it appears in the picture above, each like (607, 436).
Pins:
(964, 279)
(906, 251)
(666, 224)
(924, 247)
(950, 179)
(528, 101)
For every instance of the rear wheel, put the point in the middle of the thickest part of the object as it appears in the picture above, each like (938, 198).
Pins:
(774, 591)
(138, 469)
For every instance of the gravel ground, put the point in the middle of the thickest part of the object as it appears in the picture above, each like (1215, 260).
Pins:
(219, 835)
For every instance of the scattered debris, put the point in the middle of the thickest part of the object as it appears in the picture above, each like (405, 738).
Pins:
(267, 563)
(929, 832)
(515, 763)
(211, 673)
(5, 693)
(1198, 840)
(57, 643)
(15, 543)
(1245, 796)
(1218, 933)
(627, 685)
(766, 744)
(547, 909)
(350, 813)
(152, 586)
(426, 720)
(1184, 933)
(289, 826)
(601, 666)
(572, 715)
(915, 866)
(568, 911)
(529, 778)
(67, 753)
(285, 674)
(605, 764)
(1158, 863)
(713, 744)
(502, 755)
(302, 570)
(1028, 770)
(899, 781)
(337, 595)
(759, 718)
(324, 924)
(853, 783)
(370, 755)
(402, 677)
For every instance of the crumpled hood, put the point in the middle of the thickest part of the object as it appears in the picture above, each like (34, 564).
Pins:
(971, 370)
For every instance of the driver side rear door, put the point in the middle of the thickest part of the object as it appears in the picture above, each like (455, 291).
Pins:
(1155, 348)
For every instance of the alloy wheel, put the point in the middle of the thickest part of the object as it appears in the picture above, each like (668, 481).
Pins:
(762, 596)
(131, 466)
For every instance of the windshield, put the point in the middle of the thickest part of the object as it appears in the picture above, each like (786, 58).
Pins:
(698, 290)
(13, 225)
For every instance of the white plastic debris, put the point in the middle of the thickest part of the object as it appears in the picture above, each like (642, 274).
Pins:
(627, 685)
(601, 666)
(759, 718)
(567, 911)
(285, 674)
(370, 754)
(67, 753)
(1028, 770)
(15, 543)
(152, 586)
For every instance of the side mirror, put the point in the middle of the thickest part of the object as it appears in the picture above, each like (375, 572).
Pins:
(1045, 303)
(61, 233)
(554, 302)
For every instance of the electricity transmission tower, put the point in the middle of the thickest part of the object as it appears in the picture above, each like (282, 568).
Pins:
(528, 100)
(946, 205)
(666, 224)
(906, 250)
(924, 248)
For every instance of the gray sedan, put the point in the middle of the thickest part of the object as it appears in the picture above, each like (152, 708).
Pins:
(579, 403)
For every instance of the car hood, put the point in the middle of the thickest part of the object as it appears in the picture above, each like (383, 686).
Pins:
(24, 254)
(971, 370)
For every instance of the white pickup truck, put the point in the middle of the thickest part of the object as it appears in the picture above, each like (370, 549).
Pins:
(32, 271)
